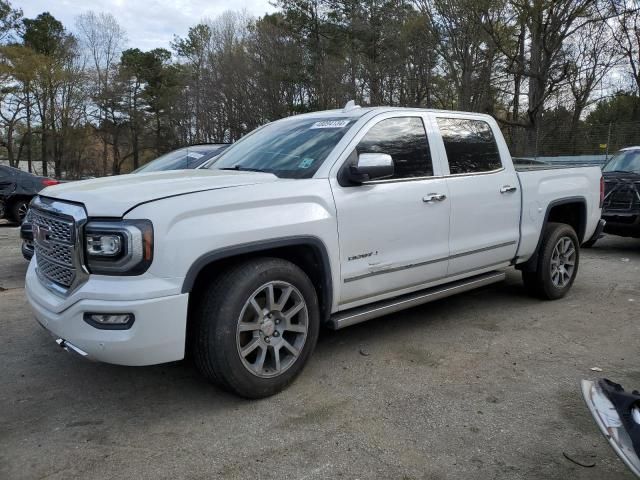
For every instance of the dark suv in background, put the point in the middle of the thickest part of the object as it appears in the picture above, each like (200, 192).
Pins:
(621, 206)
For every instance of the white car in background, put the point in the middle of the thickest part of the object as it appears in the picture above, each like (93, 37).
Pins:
(186, 158)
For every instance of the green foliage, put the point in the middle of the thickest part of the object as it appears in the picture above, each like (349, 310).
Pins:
(623, 107)
(9, 20)
(44, 34)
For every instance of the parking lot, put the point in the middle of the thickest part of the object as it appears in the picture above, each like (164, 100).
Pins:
(483, 385)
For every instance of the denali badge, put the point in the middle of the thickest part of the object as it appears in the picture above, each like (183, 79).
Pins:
(362, 255)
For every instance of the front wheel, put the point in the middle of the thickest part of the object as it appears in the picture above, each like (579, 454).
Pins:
(557, 265)
(256, 326)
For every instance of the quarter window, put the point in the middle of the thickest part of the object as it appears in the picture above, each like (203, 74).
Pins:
(405, 139)
(470, 145)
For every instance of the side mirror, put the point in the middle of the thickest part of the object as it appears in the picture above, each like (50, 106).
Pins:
(371, 166)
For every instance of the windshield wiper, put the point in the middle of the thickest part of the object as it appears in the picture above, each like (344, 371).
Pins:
(240, 168)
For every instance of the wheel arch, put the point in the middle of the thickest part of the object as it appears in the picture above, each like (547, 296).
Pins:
(307, 252)
(571, 211)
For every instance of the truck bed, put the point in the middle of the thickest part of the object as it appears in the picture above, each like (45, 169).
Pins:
(542, 185)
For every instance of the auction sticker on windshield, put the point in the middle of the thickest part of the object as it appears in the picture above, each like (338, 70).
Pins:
(331, 124)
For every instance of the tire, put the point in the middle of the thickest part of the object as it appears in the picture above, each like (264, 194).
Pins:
(546, 281)
(248, 347)
(18, 211)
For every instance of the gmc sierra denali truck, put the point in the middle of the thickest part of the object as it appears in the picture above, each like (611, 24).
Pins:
(328, 218)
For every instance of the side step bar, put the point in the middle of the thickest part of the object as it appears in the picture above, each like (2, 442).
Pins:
(378, 309)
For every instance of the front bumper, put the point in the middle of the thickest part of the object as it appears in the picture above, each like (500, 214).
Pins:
(157, 335)
(26, 234)
(27, 249)
(622, 224)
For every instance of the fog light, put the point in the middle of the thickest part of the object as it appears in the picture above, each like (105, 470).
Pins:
(110, 321)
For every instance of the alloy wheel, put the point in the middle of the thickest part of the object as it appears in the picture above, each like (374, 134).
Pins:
(22, 211)
(272, 329)
(563, 262)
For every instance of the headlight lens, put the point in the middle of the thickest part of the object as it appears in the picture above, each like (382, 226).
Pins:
(123, 247)
(104, 245)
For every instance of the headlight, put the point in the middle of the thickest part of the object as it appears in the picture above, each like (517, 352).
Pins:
(123, 247)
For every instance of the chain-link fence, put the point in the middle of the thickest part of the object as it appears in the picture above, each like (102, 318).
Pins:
(583, 143)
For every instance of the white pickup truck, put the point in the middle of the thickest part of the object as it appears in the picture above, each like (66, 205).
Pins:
(328, 218)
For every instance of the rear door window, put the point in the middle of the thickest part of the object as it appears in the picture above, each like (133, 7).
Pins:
(470, 145)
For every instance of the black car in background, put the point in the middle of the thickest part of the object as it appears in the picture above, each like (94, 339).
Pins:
(186, 158)
(17, 188)
(621, 206)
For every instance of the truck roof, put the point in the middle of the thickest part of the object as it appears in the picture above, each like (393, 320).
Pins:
(355, 111)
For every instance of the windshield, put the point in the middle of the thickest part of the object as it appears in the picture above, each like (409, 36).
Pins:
(625, 161)
(292, 148)
(183, 158)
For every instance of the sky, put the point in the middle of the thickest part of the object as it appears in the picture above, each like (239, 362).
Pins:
(148, 23)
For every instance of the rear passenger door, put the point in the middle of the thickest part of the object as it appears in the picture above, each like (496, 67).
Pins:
(484, 194)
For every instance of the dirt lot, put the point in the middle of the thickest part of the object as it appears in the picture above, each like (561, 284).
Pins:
(480, 386)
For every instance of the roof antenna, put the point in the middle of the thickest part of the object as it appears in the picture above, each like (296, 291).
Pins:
(351, 105)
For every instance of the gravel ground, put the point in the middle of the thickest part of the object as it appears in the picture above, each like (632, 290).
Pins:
(483, 385)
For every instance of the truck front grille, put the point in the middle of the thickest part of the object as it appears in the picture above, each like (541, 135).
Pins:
(56, 230)
(622, 196)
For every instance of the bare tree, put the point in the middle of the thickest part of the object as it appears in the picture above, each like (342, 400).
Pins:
(540, 56)
(103, 40)
(466, 50)
(626, 34)
(592, 56)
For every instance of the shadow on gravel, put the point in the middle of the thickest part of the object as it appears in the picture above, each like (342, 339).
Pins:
(614, 244)
(167, 389)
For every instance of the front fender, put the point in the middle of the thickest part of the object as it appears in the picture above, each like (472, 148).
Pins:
(193, 230)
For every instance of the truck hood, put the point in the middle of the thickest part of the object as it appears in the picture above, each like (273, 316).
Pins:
(114, 196)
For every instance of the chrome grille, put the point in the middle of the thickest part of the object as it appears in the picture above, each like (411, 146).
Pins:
(55, 239)
(61, 275)
(60, 229)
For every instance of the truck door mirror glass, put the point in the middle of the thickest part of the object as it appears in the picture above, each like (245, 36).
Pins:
(371, 166)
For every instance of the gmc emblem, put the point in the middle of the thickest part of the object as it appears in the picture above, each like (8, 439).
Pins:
(41, 234)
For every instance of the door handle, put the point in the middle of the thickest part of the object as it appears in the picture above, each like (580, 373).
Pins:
(508, 189)
(434, 197)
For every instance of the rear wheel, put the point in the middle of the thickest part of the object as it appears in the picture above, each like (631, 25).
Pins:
(557, 264)
(256, 326)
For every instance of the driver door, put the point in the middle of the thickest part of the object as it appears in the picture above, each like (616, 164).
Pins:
(393, 234)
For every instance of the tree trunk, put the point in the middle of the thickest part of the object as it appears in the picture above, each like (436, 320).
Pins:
(517, 79)
(29, 132)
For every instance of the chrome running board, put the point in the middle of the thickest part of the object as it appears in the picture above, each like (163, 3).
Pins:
(378, 309)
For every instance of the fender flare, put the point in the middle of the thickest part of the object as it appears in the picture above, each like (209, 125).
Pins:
(530, 265)
(263, 245)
